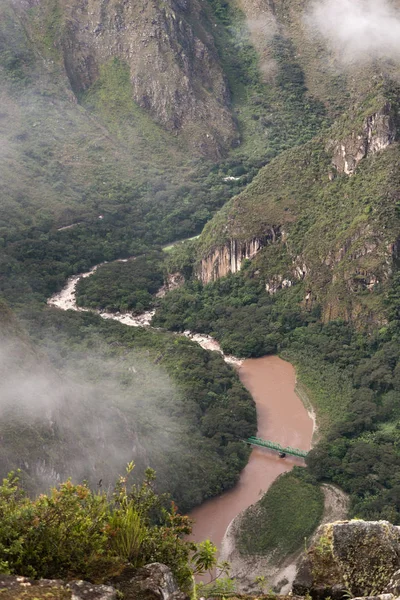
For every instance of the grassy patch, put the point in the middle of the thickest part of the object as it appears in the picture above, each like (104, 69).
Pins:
(327, 386)
(287, 514)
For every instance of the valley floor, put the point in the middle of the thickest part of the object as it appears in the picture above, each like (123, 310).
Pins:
(279, 576)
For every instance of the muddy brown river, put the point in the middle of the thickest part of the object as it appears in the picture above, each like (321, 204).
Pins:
(282, 418)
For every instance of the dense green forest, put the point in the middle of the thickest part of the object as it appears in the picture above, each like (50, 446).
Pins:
(160, 393)
(236, 311)
(123, 286)
(351, 377)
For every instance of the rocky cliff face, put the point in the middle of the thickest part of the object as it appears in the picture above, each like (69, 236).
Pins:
(351, 558)
(174, 68)
(360, 263)
(229, 258)
(377, 133)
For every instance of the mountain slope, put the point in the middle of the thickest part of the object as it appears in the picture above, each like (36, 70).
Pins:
(326, 214)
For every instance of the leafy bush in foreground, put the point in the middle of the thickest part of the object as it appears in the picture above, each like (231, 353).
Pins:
(74, 532)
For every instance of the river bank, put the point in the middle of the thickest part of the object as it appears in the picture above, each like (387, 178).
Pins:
(282, 418)
(66, 300)
(278, 577)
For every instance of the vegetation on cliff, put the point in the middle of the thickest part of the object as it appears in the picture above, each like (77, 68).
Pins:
(76, 533)
(335, 233)
(236, 311)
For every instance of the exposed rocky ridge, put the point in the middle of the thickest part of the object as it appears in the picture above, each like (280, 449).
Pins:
(378, 132)
(229, 258)
(359, 558)
(152, 582)
(174, 68)
(338, 237)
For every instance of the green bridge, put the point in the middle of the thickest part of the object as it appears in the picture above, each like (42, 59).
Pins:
(255, 441)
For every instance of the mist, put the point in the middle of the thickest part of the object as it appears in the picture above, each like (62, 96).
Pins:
(82, 414)
(357, 30)
(262, 29)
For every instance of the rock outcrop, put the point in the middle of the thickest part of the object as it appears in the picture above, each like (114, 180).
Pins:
(229, 258)
(13, 587)
(152, 582)
(378, 132)
(358, 558)
(174, 67)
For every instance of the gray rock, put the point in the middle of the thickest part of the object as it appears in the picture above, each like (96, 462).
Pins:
(378, 132)
(394, 585)
(82, 590)
(350, 557)
(152, 582)
(380, 597)
(12, 586)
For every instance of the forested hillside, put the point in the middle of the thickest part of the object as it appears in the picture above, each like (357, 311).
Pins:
(315, 238)
(81, 397)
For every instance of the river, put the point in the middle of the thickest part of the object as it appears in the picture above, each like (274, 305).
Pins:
(281, 416)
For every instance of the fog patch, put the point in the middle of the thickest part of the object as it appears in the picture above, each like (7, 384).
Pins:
(83, 415)
(357, 30)
(262, 31)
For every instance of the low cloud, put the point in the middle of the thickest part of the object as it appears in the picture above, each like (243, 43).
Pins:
(83, 415)
(357, 30)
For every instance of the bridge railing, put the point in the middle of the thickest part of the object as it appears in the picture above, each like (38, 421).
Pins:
(255, 441)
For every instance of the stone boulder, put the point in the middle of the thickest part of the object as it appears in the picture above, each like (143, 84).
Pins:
(356, 558)
(152, 582)
(20, 588)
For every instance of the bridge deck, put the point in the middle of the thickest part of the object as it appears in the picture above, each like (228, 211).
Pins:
(255, 441)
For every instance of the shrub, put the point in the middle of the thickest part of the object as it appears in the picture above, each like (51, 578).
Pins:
(74, 532)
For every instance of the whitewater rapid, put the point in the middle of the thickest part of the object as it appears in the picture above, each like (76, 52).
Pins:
(66, 300)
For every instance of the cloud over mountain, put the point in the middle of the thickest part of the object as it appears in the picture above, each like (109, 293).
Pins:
(357, 30)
